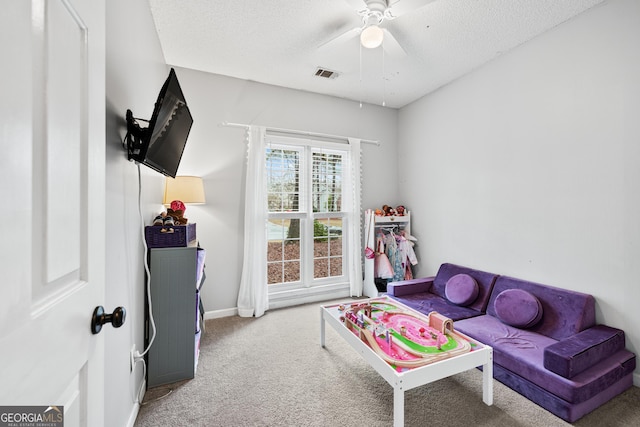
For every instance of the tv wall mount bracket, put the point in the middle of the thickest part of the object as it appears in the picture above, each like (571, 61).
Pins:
(134, 137)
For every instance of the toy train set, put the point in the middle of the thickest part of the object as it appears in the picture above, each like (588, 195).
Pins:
(400, 337)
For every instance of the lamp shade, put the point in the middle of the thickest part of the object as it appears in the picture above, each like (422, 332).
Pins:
(371, 37)
(187, 189)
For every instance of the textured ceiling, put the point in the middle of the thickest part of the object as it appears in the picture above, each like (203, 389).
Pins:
(280, 42)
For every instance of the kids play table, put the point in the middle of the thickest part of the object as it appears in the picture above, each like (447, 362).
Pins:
(406, 347)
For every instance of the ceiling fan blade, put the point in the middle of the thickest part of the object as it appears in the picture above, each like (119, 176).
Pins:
(391, 45)
(357, 4)
(400, 7)
(342, 38)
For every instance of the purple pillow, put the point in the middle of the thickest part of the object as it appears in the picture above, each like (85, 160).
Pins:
(461, 289)
(518, 308)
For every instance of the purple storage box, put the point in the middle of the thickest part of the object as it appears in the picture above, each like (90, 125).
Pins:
(182, 235)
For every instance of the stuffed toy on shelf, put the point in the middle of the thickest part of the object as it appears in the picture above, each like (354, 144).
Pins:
(172, 217)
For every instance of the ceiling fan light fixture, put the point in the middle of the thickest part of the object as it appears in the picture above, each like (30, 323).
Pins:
(371, 37)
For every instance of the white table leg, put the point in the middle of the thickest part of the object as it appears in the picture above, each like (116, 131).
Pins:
(398, 406)
(487, 381)
(321, 327)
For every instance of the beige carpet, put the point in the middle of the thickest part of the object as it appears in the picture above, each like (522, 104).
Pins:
(271, 371)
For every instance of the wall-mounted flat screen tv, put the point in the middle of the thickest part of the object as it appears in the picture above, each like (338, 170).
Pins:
(161, 144)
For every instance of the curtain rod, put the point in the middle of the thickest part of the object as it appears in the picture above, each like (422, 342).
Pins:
(299, 132)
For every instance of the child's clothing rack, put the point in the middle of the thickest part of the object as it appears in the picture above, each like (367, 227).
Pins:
(391, 230)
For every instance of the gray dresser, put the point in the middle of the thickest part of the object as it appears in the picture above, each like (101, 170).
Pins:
(176, 278)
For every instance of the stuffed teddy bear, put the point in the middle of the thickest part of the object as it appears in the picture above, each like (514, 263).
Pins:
(178, 216)
(177, 212)
(388, 210)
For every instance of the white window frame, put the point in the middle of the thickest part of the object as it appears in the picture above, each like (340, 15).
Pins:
(307, 216)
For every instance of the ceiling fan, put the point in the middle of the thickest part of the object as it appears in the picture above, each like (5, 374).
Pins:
(374, 13)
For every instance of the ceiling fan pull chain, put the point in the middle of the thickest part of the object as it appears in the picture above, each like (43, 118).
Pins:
(384, 80)
(360, 59)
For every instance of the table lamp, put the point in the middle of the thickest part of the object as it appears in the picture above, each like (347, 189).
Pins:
(187, 189)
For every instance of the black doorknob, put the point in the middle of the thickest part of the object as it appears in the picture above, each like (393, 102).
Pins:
(99, 318)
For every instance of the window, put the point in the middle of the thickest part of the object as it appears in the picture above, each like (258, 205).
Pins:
(302, 220)
(306, 213)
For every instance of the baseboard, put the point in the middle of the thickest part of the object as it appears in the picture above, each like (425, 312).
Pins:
(134, 414)
(287, 299)
(136, 406)
(215, 314)
(636, 379)
(307, 295)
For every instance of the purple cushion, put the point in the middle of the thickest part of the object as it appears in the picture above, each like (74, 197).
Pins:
(565, 312)
(426, 302)
(518, 308)
(521, 351)
(408, 287)
(574, 355)
(461, 289)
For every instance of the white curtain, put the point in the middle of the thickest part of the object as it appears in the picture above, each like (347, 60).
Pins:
(354, 224)
(253, 298)
(370, 289)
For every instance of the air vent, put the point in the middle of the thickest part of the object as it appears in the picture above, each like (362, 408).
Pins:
(327, 74)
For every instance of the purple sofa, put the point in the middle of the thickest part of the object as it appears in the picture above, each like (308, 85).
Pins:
(546, 343)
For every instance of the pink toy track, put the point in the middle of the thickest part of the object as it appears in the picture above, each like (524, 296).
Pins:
(413, 325)
(402, 339)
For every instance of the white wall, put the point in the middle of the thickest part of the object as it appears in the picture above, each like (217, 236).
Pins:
(218, 154)
(530, 166)
(135, 73)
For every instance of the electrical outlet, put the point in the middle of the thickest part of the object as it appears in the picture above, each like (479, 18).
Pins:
(132, 358)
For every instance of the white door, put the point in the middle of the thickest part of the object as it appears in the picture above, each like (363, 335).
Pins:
(52, 115)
